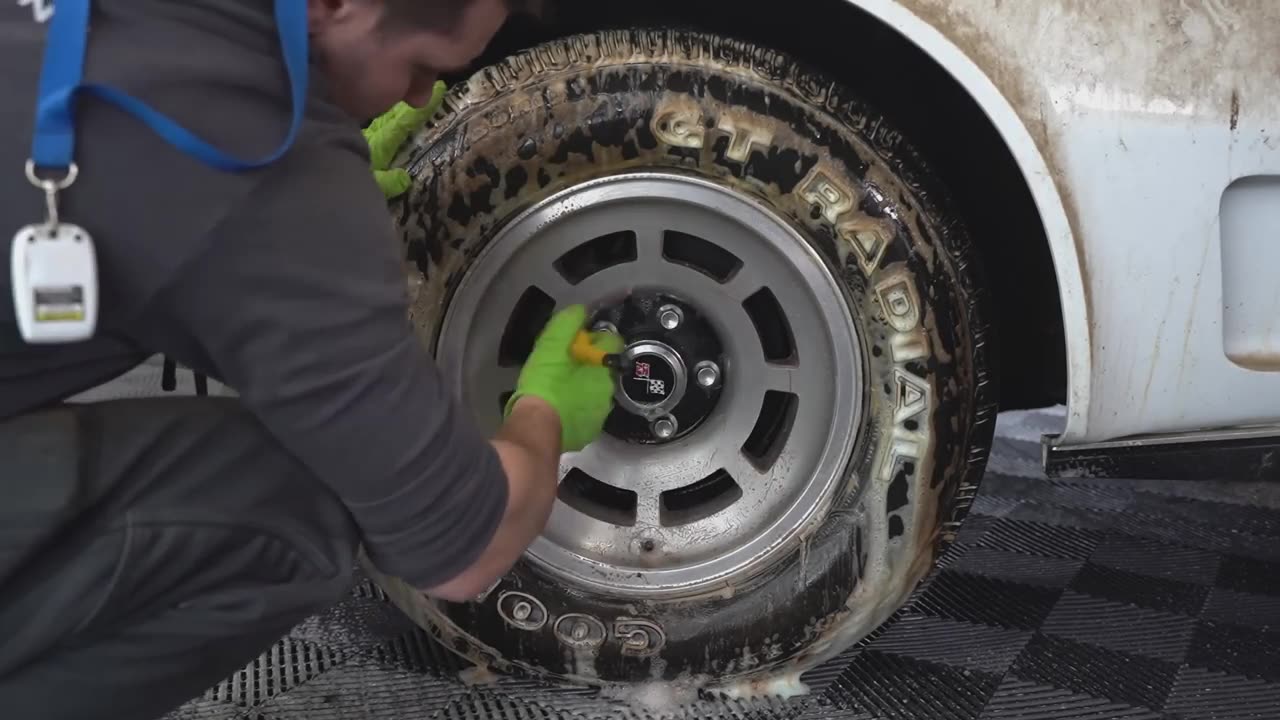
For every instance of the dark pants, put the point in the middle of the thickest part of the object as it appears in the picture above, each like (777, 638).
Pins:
(149, 549)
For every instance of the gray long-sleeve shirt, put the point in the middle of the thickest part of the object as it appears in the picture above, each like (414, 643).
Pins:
(285, 283)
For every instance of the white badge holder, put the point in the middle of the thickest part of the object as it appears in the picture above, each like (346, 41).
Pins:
(54, 273)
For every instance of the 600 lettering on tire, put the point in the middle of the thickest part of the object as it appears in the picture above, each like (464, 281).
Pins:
(809, 408)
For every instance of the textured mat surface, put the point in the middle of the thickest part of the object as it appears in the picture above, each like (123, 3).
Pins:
(1079, 600)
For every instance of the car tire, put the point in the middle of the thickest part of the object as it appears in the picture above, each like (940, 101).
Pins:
(794, 142)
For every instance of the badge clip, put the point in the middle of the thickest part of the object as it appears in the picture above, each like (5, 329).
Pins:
(54, 272)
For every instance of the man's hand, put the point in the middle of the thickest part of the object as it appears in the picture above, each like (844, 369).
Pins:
(388, 132)
(582, 395)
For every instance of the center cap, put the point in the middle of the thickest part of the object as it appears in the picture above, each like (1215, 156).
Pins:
(651, 380)
(655, 381)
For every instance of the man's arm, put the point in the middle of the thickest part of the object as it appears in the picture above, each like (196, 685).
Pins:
(300, 301)
(528, 448)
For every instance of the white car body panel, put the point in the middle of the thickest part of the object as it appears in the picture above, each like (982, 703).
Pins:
(1128, 121)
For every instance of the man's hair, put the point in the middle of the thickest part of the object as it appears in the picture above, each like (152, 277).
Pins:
(444, 15)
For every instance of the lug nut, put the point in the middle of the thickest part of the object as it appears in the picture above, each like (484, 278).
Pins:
(605, 326)
(664, 428)
(707, 373)
(670, 316)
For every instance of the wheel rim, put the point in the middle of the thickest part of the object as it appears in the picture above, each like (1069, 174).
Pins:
(716, 504)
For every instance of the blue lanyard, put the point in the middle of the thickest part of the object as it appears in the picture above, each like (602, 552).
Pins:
(53, 142)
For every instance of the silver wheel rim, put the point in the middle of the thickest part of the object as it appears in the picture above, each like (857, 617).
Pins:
(778, 498)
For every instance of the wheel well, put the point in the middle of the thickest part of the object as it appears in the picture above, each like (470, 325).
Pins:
(933, 110)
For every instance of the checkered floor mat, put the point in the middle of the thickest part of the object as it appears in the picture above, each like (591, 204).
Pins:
(1073, 600)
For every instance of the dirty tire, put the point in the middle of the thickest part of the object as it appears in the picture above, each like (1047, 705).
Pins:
(749, 119)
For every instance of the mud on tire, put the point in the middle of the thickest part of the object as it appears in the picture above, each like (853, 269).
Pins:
(792, 140)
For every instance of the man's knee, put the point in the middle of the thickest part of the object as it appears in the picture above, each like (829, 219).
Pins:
(219, 518)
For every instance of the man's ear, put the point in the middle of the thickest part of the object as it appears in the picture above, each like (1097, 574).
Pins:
(325, 13)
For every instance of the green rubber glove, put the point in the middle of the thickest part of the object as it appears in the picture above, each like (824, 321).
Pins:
(389, 131)
(581, 394)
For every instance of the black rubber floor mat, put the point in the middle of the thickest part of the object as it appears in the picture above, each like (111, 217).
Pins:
(1079, 600)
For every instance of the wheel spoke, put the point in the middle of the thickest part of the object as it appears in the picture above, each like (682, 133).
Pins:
(743, 340)
(779, 377)
(750, 397)
(741, 418)
(742, 285)
(601, 462)
(648, 507)
(607, 283)
(753, 373)
(649, 259)
(589, 460)
(757, 487)
(549, 281)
